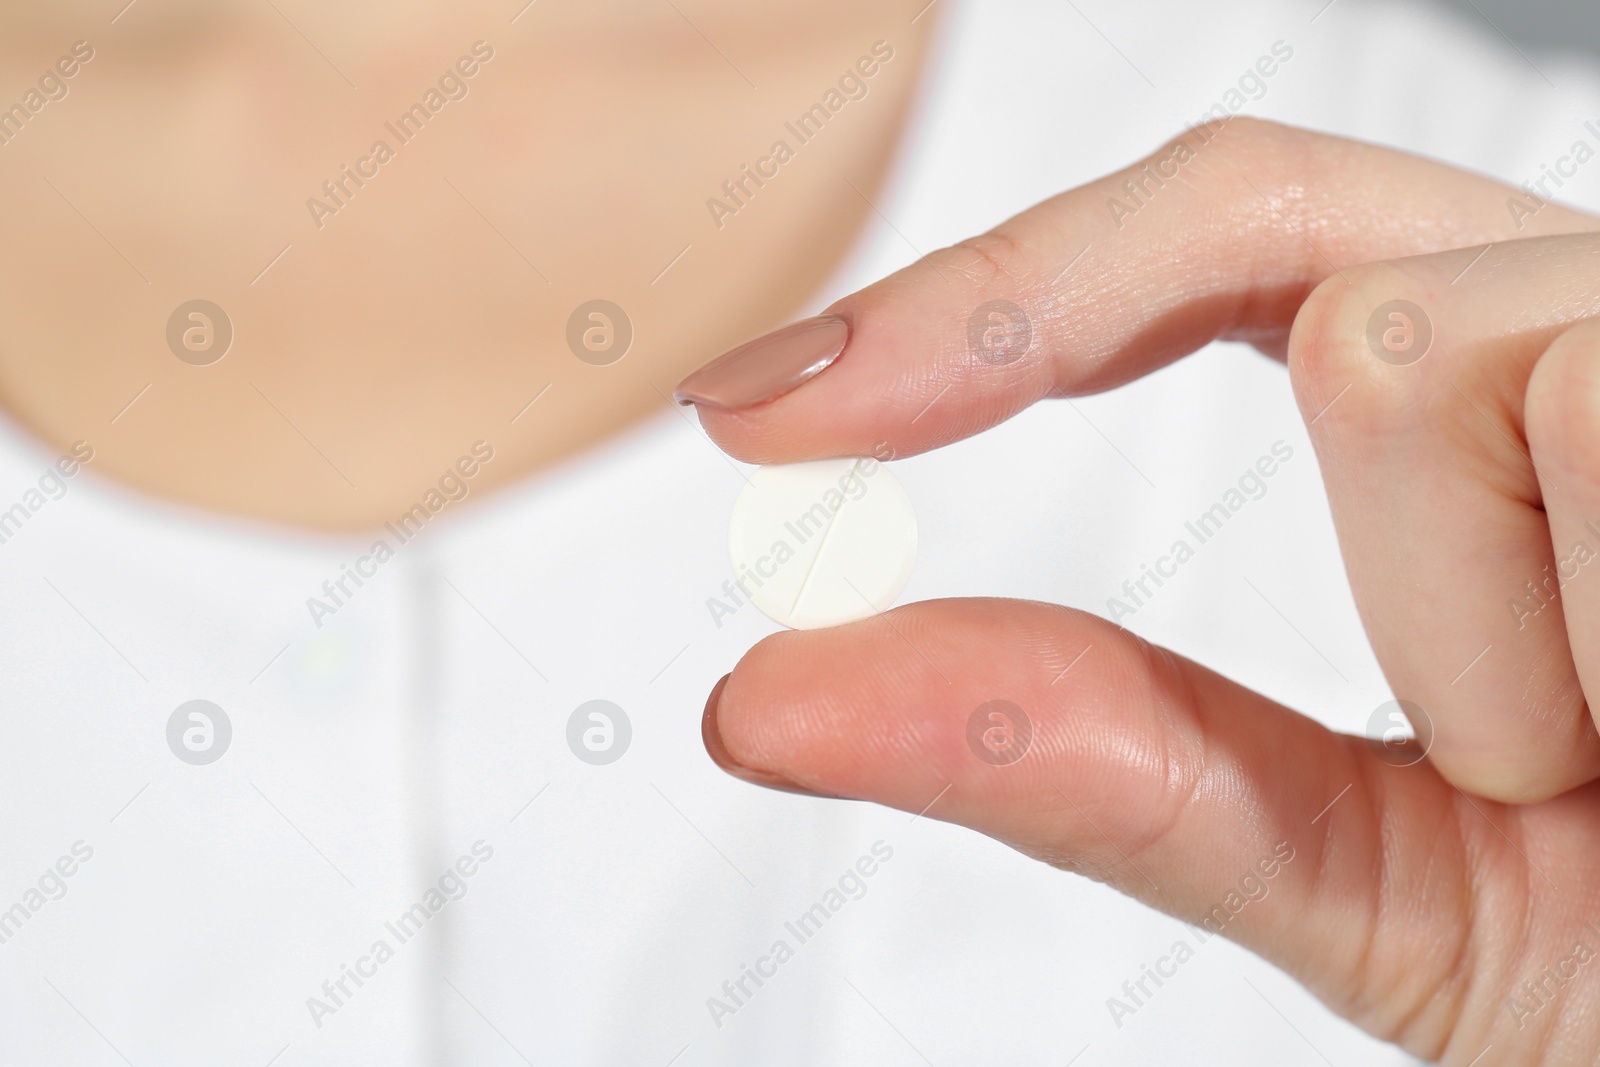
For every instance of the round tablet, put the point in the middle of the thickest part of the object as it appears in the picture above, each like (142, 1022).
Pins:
(822, 543)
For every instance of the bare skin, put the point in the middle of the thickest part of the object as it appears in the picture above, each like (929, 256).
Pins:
(1446, 904)
(432, 307)
(1422, 901)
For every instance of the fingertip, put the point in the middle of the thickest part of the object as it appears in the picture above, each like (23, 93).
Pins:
(768, 367)
(717, 749)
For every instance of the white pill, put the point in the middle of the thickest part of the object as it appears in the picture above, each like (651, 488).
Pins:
(822, 543)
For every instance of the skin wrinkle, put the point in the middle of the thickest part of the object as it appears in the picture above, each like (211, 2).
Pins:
(1524, 936)
(1203, 776)
(1196, 765)
(1152, 678)
(1543, 702)
(1061, 860)
(1441, 991)
(1358, 978)
(1263, 267)
(1391, 895)
(1076, 365)
(1525, 927)
(1110, 766)
(1316, 358)
(1458, 972)
(998, 249)
(1193, 770)
(1502, 463)
(1362, 993)
(1261, 231)
(1292, 156)
(1375, 915)
(938, 374)
(1554, 703)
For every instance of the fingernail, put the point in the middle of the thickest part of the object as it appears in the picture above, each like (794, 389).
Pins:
(711, 733)
(769, 366)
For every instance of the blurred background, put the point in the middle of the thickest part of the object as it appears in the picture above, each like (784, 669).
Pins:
(373, 749)
(1555, 24)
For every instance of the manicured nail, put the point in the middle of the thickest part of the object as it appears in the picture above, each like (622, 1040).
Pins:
(768, 367)
(711, 733)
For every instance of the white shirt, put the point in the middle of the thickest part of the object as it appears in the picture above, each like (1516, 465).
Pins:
(608, 905)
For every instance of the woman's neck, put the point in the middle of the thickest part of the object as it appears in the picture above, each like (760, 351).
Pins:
(404, 223)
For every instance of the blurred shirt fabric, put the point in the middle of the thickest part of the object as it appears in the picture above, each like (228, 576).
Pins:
(421, 729)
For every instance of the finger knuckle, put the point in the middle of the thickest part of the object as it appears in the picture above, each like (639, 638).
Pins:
(1358, 355)
(1260, 139)
(1213, 156)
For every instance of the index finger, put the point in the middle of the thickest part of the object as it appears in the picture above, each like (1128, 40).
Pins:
(1221, 234)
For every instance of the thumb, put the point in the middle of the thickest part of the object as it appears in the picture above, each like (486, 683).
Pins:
(1081, 745)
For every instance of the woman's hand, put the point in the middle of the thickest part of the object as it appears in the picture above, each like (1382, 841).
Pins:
(1420, 898)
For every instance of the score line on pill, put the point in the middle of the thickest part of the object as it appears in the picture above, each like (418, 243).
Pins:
(822, 543)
